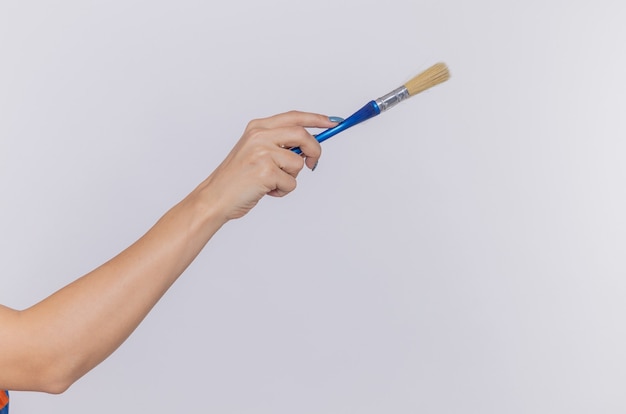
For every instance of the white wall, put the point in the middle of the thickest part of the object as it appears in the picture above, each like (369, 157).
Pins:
(462, 253)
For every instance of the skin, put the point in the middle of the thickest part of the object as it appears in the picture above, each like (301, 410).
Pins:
(50, 345)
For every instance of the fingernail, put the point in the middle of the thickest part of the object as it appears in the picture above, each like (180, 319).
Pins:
(336, 119)
(315, 166)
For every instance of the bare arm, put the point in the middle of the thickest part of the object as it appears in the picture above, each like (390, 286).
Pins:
(49, 346)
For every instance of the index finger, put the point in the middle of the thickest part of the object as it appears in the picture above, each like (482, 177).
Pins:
(293, 118)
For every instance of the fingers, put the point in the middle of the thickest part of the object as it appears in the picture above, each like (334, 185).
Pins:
(285, 184)
(293, 118)
(287, 164)
(282, 126)
(288, 137)
(288, 161)
(276, 170)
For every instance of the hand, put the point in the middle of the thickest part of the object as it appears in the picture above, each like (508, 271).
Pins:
(261, 162)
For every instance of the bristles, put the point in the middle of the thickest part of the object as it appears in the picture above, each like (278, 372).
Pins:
(432, 76)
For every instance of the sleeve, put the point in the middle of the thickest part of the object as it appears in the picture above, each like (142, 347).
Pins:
(4, 402)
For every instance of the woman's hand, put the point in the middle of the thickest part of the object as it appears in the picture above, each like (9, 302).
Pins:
(261, 163)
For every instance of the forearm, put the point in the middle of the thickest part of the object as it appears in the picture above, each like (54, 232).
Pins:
(79, 326)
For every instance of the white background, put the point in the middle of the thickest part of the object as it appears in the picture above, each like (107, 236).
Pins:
(463, 253)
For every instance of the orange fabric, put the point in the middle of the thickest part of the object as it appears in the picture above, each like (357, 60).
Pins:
(4, 399)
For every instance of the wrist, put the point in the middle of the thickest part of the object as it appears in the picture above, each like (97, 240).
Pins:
(206, 208)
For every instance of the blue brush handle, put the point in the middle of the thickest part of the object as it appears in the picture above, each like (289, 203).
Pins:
(370, 110)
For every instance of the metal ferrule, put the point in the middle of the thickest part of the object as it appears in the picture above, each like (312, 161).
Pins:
(392, 98)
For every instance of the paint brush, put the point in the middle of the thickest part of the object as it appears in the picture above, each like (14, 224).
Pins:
(432, 76)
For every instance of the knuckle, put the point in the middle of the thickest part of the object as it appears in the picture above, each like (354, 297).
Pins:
(299, 163)
(260, 156)
(255, 133)
(289, 186)
(265, 177)
(264, 165)
(253, 124)
(293, 183)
